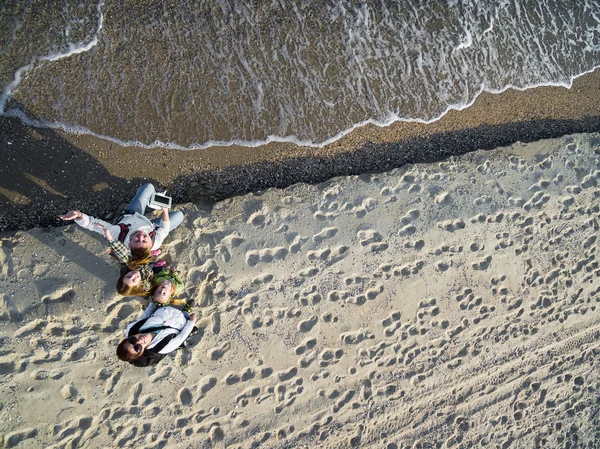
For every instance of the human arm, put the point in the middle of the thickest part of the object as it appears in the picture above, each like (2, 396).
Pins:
(105, 231)
(147, 313)
(120, 251)
(162, 231)
(92, 223)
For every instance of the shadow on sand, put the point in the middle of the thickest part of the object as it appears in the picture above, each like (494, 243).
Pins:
(42, 175)
(214, 185)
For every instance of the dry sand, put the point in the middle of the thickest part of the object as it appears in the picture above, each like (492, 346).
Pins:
(450, 304)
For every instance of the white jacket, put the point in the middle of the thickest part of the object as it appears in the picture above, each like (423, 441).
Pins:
(165, 316)
(136, 222)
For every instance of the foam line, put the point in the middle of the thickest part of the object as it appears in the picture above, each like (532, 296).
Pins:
(73, 50)
(80, 130)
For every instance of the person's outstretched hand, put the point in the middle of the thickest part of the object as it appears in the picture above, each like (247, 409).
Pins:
(193, 317)
(71, 215)
(106, 231)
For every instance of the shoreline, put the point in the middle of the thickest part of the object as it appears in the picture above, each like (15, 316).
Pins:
(49, 171)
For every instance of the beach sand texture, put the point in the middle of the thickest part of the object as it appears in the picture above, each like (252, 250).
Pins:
(452, 304)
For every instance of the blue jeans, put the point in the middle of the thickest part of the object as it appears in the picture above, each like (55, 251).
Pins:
(140, 202)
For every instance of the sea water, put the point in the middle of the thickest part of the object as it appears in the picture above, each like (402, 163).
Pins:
(190, 74)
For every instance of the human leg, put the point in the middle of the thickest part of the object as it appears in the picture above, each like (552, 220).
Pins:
(175, 219)
(140, 200)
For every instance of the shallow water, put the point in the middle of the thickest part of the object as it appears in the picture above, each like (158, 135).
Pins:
(201, 73)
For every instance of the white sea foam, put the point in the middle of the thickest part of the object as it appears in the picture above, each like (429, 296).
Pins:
(392, 118)
(467, 42)
(380, 70)
(73, 49)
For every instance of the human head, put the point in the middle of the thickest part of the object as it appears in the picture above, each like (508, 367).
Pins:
(140, 240)
(162, 292)
(129, 284)
(133, 347)
(132, 278)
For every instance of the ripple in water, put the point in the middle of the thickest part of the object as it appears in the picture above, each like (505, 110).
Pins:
(245, 72)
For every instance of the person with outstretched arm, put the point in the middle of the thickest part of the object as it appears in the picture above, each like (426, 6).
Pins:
(157, 332)
(136, 231)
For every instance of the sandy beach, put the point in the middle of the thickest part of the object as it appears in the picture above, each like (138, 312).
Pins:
(443, 304)
(47, 172)
(355, 282)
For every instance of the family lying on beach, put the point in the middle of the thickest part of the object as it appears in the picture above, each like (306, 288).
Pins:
(166, 323)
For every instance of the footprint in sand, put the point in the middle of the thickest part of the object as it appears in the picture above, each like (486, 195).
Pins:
(326, 233)
(467, 300)
(112, 382)
(325, 216)
(497, 218)
(250, 392)
(309, 296)
(262, 279)
(542, 184)
(258, 220)
(62, 295)
(15, 438)
(406, 231)
(483, 263)
(366, 206)
(296, 243)
(266, 255)
(443, 198)
(368, 236)
(306, 345)
(451, 225)
(446, 248)
(537, 200)
(330, 356)
(391, 323)
(338, 295)
(306, 325)
(479, 218)
(355, 337)
(185, 397)
(321, 254)
(408, 269)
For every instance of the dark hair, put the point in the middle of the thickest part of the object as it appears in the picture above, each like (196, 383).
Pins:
(124, 354)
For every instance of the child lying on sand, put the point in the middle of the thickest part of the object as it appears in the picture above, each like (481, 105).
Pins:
(166, 284)
(146, 277)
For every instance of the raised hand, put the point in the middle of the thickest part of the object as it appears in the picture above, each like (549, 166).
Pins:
(105, 230)
(71, 215)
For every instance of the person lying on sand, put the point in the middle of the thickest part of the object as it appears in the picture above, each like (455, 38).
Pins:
(136, 274)
(157, 332)
(146, 277)
(137, 232)
(165, 285)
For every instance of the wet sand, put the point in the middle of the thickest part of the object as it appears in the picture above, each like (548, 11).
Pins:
(47, 172)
